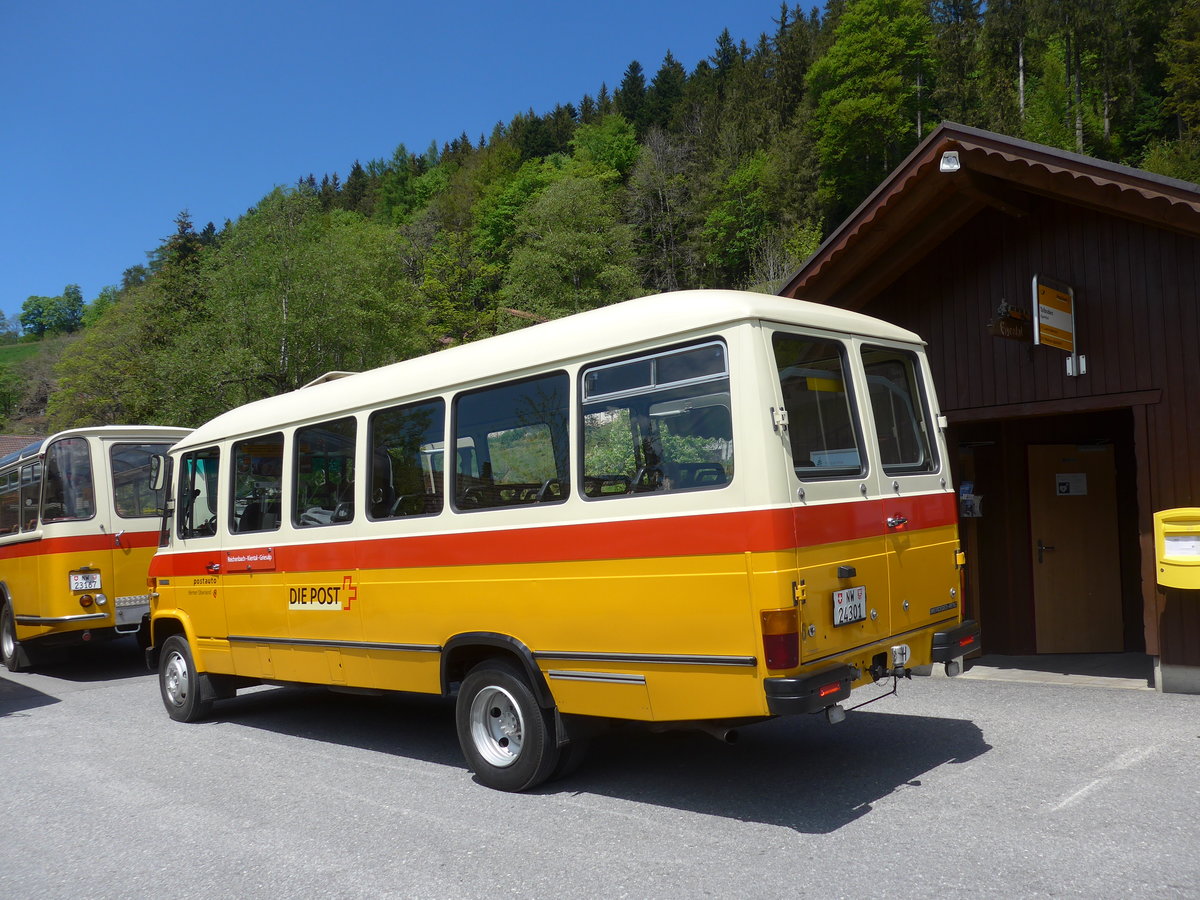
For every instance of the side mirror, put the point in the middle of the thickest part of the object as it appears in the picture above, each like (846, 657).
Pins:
(158, 473)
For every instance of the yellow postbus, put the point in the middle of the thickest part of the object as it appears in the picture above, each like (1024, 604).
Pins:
(78, 525)
(698, 509)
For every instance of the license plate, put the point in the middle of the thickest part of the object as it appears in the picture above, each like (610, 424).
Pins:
(849, 605)
(85, 581)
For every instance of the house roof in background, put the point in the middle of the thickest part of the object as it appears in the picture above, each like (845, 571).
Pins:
(918, 206)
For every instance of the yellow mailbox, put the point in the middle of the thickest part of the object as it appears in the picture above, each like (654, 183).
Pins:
(1177, 547)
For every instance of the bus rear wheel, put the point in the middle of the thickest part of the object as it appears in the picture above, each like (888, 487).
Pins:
(507, 737)
(179, 682)
(10, 650)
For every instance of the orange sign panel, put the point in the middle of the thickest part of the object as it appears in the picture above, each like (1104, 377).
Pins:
(1055, 318)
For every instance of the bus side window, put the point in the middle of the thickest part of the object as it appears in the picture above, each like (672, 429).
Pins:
(520, 439)
(10, 502)
(196, 506)
(69, 493)
(324, 480)
(658, 423)
(822, 423)
(256, 484)
(901, 418)
(31, 489)
(407, 460)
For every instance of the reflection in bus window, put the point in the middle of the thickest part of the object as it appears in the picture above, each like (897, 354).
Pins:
(257, 477)
(10, 502)
(407, 468)
(197, 503)
(68, 494)
(132, 495)
(324, 474)
(31, 489)
(658, 423)
(901, 420)
(512, 444)
(821, 421)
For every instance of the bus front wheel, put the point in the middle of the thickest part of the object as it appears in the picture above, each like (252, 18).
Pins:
(179, 683)
(10, 650)
(507, 738)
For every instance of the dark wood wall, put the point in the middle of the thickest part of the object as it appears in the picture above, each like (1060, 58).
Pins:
(1138, 324)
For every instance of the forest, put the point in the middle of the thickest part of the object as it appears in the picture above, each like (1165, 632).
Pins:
(728, 175)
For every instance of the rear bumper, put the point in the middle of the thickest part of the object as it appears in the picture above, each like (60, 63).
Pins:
(809, 693)
(956, 642)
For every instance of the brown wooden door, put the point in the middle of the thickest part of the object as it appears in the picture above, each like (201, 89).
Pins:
(1076, 566)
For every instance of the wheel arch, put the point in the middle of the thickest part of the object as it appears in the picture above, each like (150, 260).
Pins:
(463, 651)
(163, 627)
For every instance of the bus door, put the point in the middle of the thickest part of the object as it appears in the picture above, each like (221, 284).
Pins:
(255, 599)
(195, 577)
(918, 513)
(324, 618)
(135, 511)
(841, 554)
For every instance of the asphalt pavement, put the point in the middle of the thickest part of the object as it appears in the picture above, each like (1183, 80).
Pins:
(953, 787)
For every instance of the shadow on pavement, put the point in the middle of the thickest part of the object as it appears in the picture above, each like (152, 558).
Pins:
(800, 773)
(16, 698)
(94, 662)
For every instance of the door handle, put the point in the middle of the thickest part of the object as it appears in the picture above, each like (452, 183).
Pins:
(213, 567)
(1042, 548)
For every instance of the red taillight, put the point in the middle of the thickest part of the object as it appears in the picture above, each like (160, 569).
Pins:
(828, 689)
(781, 637)
(967, 641)
(85, 601)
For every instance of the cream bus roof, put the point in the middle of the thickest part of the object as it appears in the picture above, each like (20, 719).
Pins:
(593, 333)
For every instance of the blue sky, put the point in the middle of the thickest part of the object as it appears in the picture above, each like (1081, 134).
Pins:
(115, 116)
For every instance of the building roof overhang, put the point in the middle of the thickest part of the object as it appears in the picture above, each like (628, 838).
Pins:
(918, 206)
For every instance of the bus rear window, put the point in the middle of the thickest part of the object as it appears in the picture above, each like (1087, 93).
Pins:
(901, 418)
(69, 493)
(822, 425)
(132, 496)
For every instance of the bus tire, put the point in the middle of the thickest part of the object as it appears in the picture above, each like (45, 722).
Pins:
(507, 738)
(16, 659)
(179, 682)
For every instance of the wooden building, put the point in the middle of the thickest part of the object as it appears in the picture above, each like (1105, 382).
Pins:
(1066, 468)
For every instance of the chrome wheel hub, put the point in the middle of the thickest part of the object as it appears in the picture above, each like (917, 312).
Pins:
(497, 729)
(175, 679)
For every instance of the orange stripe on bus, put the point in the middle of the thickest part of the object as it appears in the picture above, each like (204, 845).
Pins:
(700, 535)
(85, 543)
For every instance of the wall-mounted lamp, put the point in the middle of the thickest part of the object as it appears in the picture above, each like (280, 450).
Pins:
(950, 162)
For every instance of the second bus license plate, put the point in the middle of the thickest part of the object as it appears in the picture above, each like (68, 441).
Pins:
(85, 581)
(849, 605)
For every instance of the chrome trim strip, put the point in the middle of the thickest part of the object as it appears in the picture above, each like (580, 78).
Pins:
(58, 620)
(892, 638)
(607, 677)
(349, 645)
(668, 659)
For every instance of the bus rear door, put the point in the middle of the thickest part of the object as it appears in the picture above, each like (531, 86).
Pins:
(841, 552)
